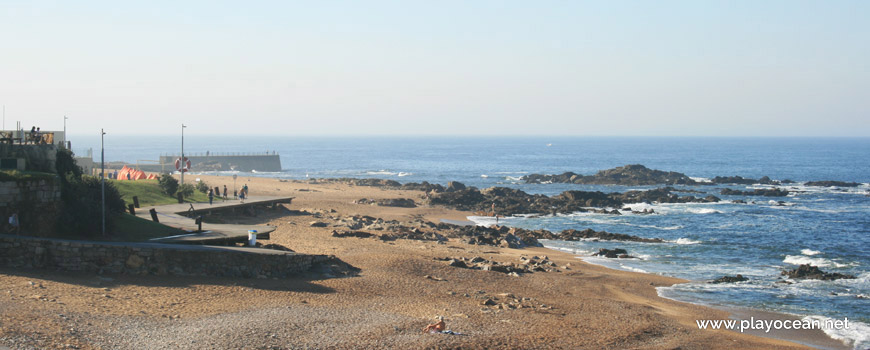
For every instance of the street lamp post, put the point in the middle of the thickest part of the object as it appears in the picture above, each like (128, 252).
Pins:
(182, 162)
(102, 176)
(64, 130)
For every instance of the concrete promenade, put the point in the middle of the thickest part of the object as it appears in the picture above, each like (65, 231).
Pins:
(181, 216)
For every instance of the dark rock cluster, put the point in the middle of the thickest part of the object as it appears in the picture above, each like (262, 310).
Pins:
(730, 279)
(832, 184)
(766, 192)
(389, 202)
(525, 265)
(629, 175)
(613, 253)
(510, 201)
(807, 271)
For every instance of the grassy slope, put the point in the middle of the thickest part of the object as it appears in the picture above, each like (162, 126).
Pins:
(15, 175)
(149, 193)
(129, 228)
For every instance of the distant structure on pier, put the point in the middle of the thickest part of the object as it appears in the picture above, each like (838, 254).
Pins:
(210, 161)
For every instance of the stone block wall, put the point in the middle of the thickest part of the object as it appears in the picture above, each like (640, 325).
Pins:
(37, 157)
(37, 203)
(151, 258)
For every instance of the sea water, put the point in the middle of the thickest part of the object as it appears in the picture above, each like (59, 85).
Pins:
(826, 227)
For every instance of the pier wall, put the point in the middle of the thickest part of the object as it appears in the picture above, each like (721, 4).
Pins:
(219, 162)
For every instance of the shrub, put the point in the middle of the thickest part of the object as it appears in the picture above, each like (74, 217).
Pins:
(201, 186)
(186, 190)
(169, 184)
(82, 206)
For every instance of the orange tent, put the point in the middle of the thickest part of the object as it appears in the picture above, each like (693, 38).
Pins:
(131, 174)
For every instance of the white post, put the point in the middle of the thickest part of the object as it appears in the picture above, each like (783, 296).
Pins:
(103, 176)
(182, 162)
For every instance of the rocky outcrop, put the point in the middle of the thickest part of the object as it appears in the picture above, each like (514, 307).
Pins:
(512, 201)
(613, 253)
(389, 202)
(525, 265)
(832, 184)
(766, 192)
(629, 175)
(730, 279)
(575, 235)
(348, 233)
(807, 271)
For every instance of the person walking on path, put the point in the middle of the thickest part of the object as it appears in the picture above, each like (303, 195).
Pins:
(225, 193)
(210, 196)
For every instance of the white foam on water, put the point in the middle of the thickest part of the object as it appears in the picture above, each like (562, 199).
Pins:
(513, 178)
(484, 176)
(857, 335)
(703, 211)
(818, 262)
(676, 208)
(381, 172)
(700, 179)
(402, 173)
(810, 252)
(666, 228)
(633, 269)
(685, 241)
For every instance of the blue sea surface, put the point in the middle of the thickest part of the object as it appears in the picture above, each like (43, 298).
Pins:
(826, 227)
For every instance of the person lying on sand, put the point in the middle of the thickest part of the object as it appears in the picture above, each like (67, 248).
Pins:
(436, 327)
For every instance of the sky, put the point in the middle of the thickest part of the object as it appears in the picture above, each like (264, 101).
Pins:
(357, 68)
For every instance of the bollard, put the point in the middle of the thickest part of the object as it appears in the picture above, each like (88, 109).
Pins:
(132, 209)
(136, 201)
(180, 198)
(199, 223)
(154, 214)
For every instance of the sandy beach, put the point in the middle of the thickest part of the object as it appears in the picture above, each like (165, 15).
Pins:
(402, 286)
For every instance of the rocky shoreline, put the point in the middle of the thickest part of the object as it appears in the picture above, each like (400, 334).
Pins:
(639, 175)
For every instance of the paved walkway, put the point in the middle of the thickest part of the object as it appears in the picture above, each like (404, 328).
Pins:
(171, 215)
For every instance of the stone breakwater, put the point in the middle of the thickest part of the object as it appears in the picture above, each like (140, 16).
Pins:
(153, 258)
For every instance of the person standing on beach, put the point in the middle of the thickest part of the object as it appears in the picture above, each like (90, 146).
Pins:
(210, 196)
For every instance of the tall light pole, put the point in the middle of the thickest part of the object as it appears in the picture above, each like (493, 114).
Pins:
(64, 130)
(103, 176)
(182, 162)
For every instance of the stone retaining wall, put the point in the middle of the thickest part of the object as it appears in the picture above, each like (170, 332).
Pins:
(37, 203)
(151, 258)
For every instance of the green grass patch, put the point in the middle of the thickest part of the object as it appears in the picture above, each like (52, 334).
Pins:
(129, 228)
(150, 193)
(15, 175)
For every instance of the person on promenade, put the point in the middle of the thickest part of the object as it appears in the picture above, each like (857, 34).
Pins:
(210, 196)
(225, 193)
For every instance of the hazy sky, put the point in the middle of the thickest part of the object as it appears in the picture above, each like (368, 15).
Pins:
(669, 68)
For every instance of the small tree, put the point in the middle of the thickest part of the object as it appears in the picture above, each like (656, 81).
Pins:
(186, 190)
(169, 184)
(201, 186)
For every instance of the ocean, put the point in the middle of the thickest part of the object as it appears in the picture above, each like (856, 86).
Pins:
(826, 227)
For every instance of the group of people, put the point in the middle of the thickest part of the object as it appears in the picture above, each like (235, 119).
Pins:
(36, 135)
(216, 192)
